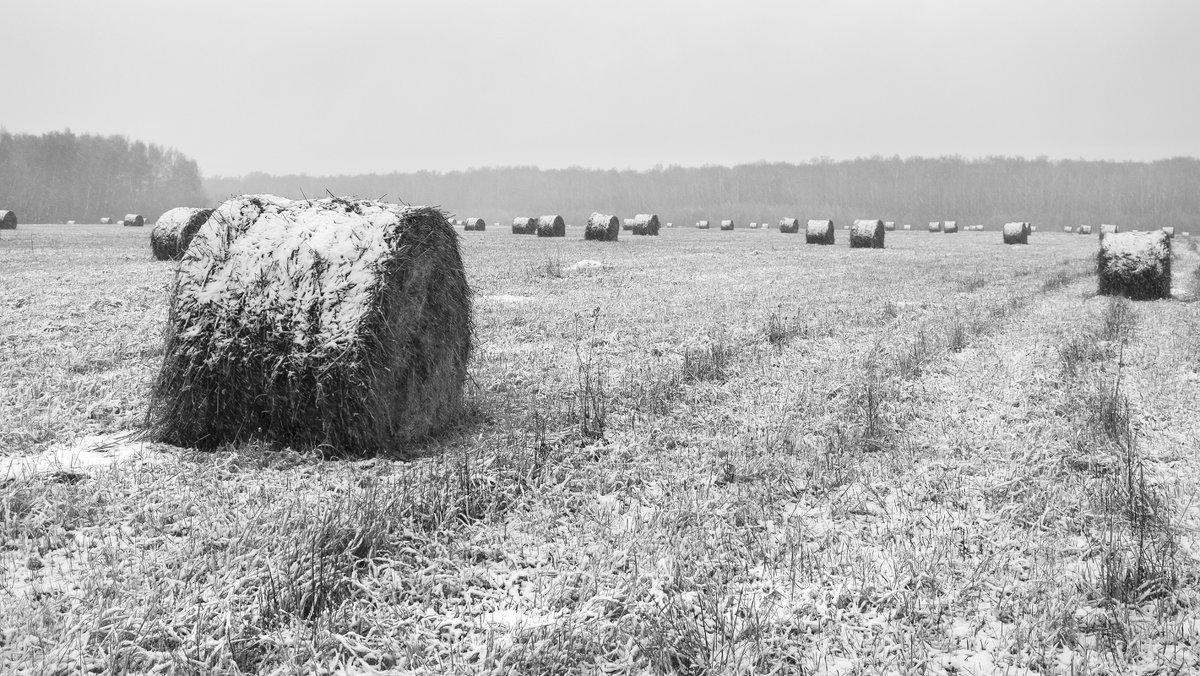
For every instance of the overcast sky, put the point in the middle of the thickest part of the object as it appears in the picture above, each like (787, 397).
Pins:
(354, 87)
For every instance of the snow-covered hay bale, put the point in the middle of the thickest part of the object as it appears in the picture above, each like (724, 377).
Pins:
(1108, 229)
(524, 225)
(1085, 229)
(789, 225)
(889, 226)
(1170, 231)
(551, 226)
(949, 226)
(1135, 264)
(727, 224)
(174, 230)
(133, 221)
(702, 225)
(935, 226)
(474, 225)
(646, 224)
(819, 232)
(602, 227)
(1016, 233)
(1067, 229)
(866, 233)
(8, 219)
(334, 323)
(106, 220)
(70, 222)
(908, 226)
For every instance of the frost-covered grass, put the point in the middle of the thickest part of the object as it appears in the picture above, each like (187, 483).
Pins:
(726, 453)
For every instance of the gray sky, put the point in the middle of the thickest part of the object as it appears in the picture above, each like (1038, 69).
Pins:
(354, 87)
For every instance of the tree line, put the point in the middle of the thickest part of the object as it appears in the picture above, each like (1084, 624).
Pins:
(989, 191)
(61, 176)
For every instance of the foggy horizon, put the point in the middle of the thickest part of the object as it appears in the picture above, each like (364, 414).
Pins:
(392, 88)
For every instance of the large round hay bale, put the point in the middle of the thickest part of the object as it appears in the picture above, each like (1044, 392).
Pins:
(949, 226)
(628, 223)
(175, 230)
(646, 224)
(8, 219)
(702, 225)
(727, 224)
(908, 226)
(866, 234)
(336, 323)
(133, 221)
(1067, 229)
(1170, 230)
(935, 226)
(602, 227)
(551, 226)
(1135, 264)
(819, 232)
(789, 225)
(1085, 229)
(1108, 229)
(1016, 233)
(106, 220)
(524, 225)
(889, 226)
(474, 225)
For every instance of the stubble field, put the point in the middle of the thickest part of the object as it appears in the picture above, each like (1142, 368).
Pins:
(706, 452)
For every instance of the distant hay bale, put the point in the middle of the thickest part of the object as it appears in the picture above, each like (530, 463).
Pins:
(106, 220)
(866, 233)
(1186, 234)
(628, 223)
(1085, 229)
(1067, 228)
(524, 225)
(1108, 229)
(702, 225)
(889, 226)
(819, 232)
(1016, 233)
(908, 226)
(335, 323)
(646, 224)
(935, 226)
(133, 221)
(474, 225)
(949, 226)
(1032, 228)
(174, 230)
(8, 219)
(727, 225)
(551, 226)
(1135, 264)
(789, 225)
(602, 227)
(753, 225)
(1170, 230)
(670, 225)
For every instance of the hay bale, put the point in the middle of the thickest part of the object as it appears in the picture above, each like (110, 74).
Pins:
(866, 234)
(949, 226)
(670, 225)
(1032, 228)
(889, 226)
(628, 223)
(702, 225)
(1170, 230)
(645, 224)
(727, 225)
(753, 225)
(8, 219)
(1108, 229)
(338, 323)
(789, 225)
(524, 225)
(908, 226)
(935, 226)
(1085, 229)
(70, 222)
(1187, 234)
(174, 230)
(819, 232)
(602, 227)
(474, 225)
(105, 221)
(1135, 264)
(133, 221)
(1016, 233)
(551, 226)
(1067, 229)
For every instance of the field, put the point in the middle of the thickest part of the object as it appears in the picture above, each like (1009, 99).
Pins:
(710, 452)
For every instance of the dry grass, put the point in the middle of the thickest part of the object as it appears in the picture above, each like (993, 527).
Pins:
(713, 457)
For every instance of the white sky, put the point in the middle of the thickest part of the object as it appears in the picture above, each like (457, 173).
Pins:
(353, 87)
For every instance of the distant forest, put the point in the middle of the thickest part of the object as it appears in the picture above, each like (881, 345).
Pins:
(989, 191)
(59, 176)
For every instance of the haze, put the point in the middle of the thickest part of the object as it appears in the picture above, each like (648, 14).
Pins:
(319, 88)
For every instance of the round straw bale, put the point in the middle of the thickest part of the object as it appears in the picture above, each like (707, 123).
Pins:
(935, 226)
(336, 323)
(1016, 233)
(551, 226)
(174, 230)
(908, 226)
(867, 234)
(1170, 230)
(1135, 264)
(670, 225)
(1067, 228)
(646, 224)
(1108, 229)
(133, 220)
(702, 225)
(1085, 229)
(727, 224)
(949, 226)
(789, 225)
(754, 225)
(1032, 228)
(602, 227)
(524, 225)
(105, 220)
(8, 219)
(474, 225)
(819, 232)
(1187, 234)
(889, 225)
